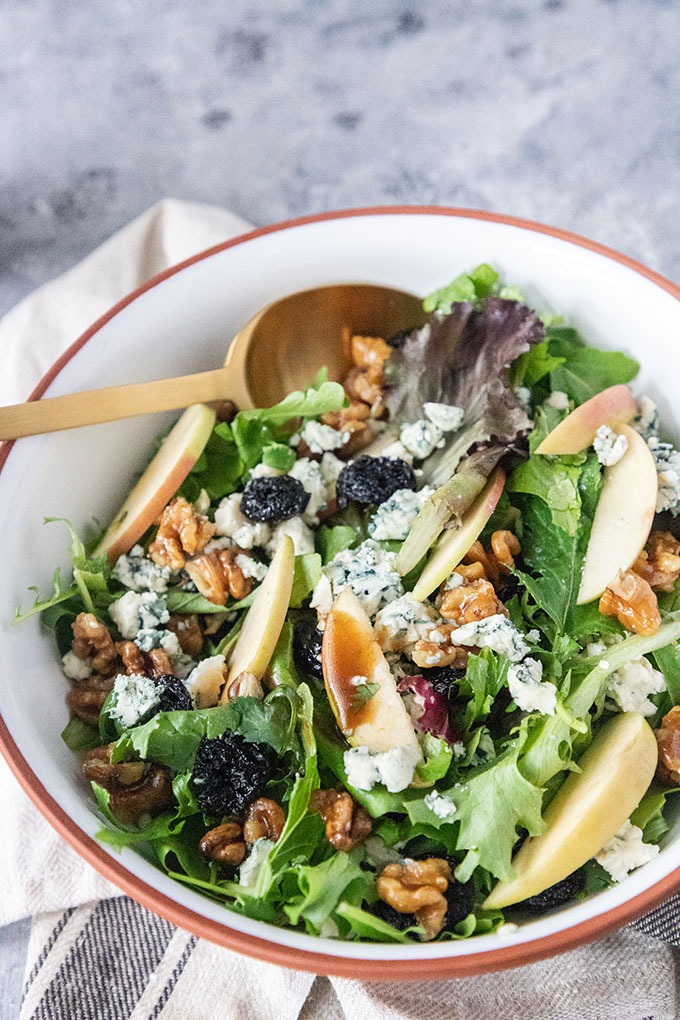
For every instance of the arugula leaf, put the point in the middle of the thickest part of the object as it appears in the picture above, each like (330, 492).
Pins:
(532, 366)
(306, 574)
(472, 287)
(281, 671)
(486, 673)
(367, 926)
(585, 370)
(314, 401)
(332, 540)
(79, 736)
(219, 468)
(668, 661)
(321, 886)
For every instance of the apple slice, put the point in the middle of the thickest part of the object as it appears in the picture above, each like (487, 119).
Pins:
(623, 516)
(577, 431)
(588, 809)
(455, 543)
(265, 618)
(350, 653)
(179, 451)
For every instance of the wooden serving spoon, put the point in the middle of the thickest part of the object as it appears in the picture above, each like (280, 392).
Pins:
(279, 350)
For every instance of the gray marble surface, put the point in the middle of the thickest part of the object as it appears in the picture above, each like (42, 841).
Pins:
(565, 111)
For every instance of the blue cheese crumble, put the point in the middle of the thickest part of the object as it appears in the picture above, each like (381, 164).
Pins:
(529, 691)
(135, 611)
(667, 460)
(631, 686)
(132, 698)
(310, 474)
(440, 805)
(139, 573)
(300, 533)
(320, 438)
(495, 632)
(393, 519)
(609, 446)
(403, 622)
(625, 852)
(205, 681)
(421, 438)
(393, 768)
(446, 417)
(369, 571)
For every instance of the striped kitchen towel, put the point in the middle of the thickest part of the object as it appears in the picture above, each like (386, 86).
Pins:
(113, 960)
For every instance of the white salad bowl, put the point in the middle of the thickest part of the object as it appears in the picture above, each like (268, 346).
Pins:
(179, 323)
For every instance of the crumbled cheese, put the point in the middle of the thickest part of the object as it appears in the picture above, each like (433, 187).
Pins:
(331, 466)
(647, 421)
(134, 611)
(393, 519)
(202, 503)
(393, 768)
(495, 632)
(397, 451)
(310, 474)
(369, 571)
(359, 680)
(230, 522)
(379, 854)
(559, 400)
(132, 698)
(249, 871)
(667, 460)
(530, 692)
(322, 438)
(421, 438)
(631, 685)
(139, 573)
(446, 417)
(322, 596)
(153, 637)
(454, 580)
(300, 532)
(609, 446)
(440, 805)
(625, 852)
(204, 683)
(523, 394)
(263, 470)
(250, 567)
(74, 667)
(402, 622)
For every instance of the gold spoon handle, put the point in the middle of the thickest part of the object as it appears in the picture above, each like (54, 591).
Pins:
(92, 406)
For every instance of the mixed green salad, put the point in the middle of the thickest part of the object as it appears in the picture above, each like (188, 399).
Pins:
(338, 679)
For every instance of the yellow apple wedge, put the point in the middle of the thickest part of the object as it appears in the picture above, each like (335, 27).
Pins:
(161, 479)
(587, 811)
(623, 516)
(455, 543)
(577, 431)
(260, 632)
(349, 652)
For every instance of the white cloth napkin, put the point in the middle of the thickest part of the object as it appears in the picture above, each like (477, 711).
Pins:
(94, 953)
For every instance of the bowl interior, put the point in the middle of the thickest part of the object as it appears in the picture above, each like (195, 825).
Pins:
(183, 324)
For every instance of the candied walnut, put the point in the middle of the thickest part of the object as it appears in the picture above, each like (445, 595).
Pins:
(354, 420)
(505, 547)
(245, 685)
(471, 601)
(347, 824)
(668, 739)
(181, 532)
(136, 788)
(159, 662)
(264, 819)
(418, 887)
(366, 384)
(86, 698)
(133, 657)
(217, 575)
(369, 350)
(92, 641)
(224, 844)
(472, 571)
(187, 629)
(436, 649)
(659, 561)
(631, 600)
(225, 410)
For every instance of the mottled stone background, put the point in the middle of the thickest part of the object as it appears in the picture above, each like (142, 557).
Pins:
(566, 111)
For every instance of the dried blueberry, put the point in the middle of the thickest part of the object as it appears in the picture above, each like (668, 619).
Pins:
(273, 499)
(372, 480)
(174, 697)
(307, 645)
(230, 772)
(444, 679)
(391, 916)
(556, 896)
(460, 899)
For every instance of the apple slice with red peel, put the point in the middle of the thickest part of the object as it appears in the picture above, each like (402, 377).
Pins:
(179, 451)
(352, 659)
(263, 623)
(455, 543)
(577, 431)
(587, 811)
(623, 516)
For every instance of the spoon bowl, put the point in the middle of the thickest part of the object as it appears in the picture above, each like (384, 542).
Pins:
(279, 350)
